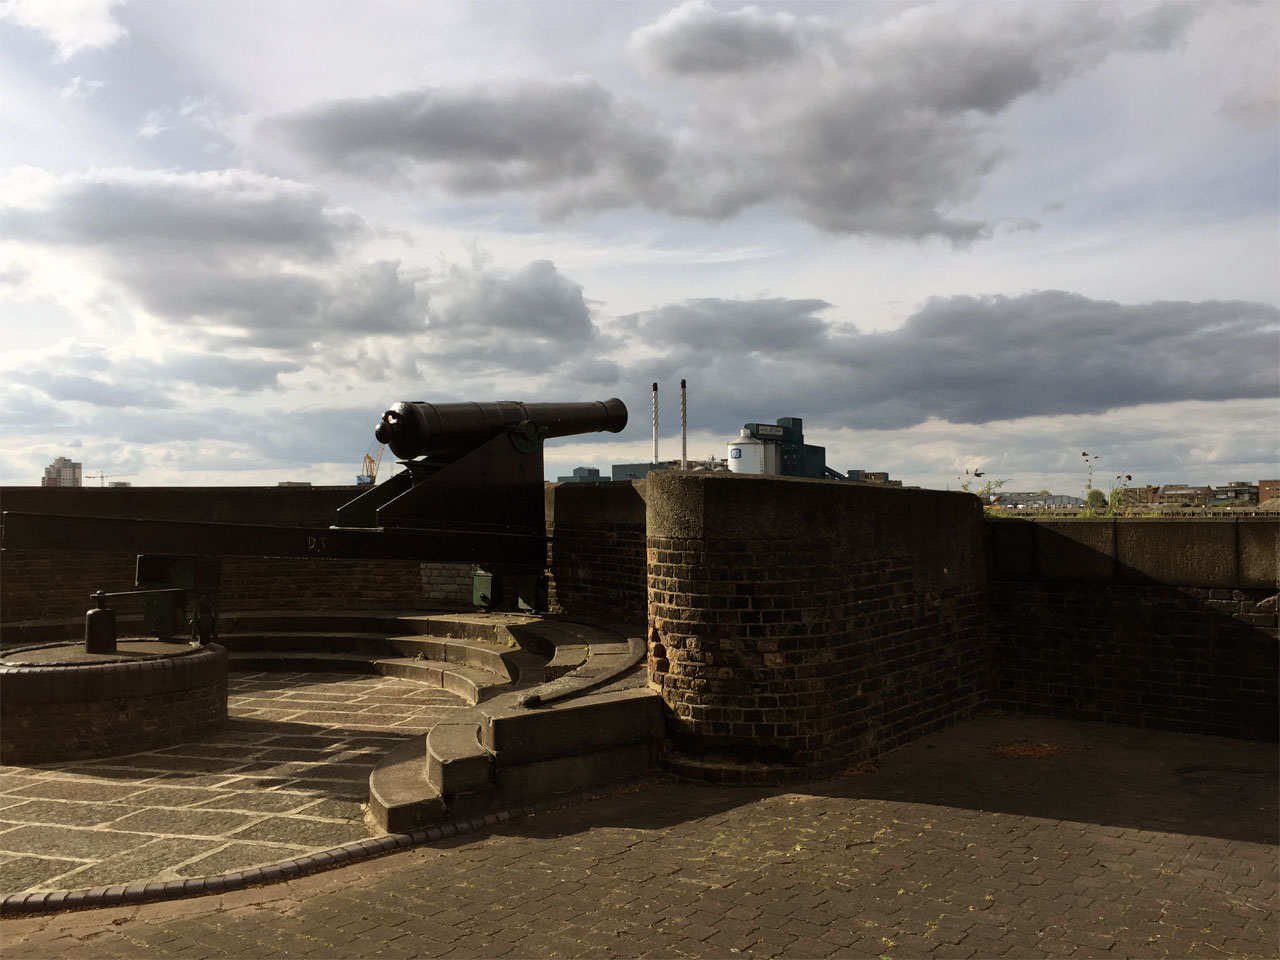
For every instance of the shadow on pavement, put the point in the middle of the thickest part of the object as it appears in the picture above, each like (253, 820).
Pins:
(1027, 766)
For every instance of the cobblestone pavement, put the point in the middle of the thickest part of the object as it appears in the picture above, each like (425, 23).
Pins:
(1001, 837)
(287, 777)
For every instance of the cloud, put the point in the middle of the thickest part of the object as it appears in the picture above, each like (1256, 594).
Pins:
(695, 39)
(233, 258)
(483, 317)
(712, 325)
(65, 387)
(78, 88)
(221, 213)
(571, 136)
(966, 360)
(93, 375)
(882, 128)
(70, 25)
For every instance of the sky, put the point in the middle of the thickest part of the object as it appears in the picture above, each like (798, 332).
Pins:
(949, 236)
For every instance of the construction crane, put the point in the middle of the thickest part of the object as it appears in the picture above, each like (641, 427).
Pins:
(369, 471)
(104, 477)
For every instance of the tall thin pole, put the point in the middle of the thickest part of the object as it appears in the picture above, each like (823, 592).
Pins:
(684, 429)
(655, 423)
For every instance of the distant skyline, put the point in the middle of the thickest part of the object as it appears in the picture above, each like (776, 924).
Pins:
(950, 236)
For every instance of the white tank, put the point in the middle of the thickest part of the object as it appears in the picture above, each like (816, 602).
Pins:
(749, 455)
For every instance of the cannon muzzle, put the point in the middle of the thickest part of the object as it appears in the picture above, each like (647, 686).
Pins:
(414, 429)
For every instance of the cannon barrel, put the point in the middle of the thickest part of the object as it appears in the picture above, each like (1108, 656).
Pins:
(414, 429)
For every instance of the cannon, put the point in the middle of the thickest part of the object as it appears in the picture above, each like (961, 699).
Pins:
(442, 430)
(471, 490)
(477, 468)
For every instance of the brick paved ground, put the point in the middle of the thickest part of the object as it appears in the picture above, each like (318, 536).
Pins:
(1109, 842)
(287, 777)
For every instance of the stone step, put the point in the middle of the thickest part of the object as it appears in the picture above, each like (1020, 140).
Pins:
(473, 684)
(298, 641)
(501, 755)
(492, 627)
(400, 797)
(591, 723)
(514, 665)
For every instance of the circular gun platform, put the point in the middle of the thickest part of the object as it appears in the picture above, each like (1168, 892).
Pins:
(58, 702)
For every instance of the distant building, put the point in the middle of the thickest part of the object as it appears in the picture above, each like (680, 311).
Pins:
(878, 477)
(294, 483)
(1035, 501)
(1268, 490)
(637, 471)
(1185, 494)
(119, 483)
(1237, 490)
(1135, 495)
(63, 473)
(582, 475)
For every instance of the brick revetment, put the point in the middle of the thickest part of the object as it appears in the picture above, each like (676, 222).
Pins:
(808, 624)
(1155, 623)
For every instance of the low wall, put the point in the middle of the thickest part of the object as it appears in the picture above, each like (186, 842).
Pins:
(1161, 623)
(55, 585)
(811, 624)
(595, 549)
(74, 711)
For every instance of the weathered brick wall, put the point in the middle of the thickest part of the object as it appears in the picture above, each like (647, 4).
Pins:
(55, 585)
(117, 707)
(1168, 624)
(595, 549)
(811, 624)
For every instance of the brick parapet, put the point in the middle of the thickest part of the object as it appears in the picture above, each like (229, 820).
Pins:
(1191, 659)
(596, 549)
(778, 636)
(1155, 623)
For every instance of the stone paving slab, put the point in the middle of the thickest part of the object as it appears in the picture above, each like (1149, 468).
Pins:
(260, 791)
(1003, 837)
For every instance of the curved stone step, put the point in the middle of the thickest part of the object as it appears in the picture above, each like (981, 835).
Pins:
(471, 683)
(400, 797)
(501, 754)
(492, 627)
(519, 666)
(294, 641)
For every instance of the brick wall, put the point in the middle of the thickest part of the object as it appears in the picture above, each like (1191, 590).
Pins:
(117, 708)
(1168, 624)
(810, 624)
(55, 585)
(595, 549)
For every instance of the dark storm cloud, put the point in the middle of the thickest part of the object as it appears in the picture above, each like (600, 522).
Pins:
(695, 39)
(967, 359)
(880, 129)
